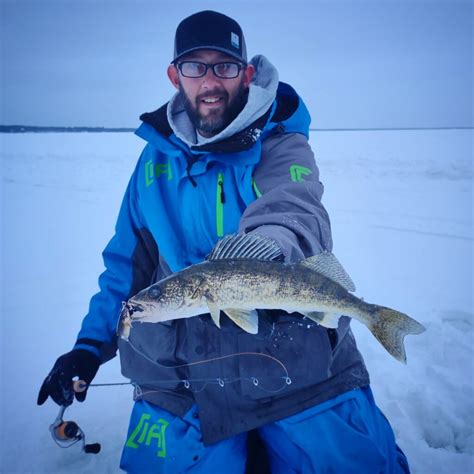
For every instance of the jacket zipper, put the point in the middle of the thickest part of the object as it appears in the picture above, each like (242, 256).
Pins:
(220, 201)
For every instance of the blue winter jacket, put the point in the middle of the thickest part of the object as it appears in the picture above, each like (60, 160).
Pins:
(259, 176)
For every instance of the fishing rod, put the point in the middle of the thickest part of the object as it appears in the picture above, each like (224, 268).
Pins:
(67, 433)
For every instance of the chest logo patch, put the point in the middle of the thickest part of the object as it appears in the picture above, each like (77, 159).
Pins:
(157, 171)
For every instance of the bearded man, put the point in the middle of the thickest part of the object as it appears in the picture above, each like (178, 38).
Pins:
(227, 154)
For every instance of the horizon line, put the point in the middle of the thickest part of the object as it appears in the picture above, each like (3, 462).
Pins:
(75, 129)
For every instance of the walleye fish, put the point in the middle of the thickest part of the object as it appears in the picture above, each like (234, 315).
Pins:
(244, 273)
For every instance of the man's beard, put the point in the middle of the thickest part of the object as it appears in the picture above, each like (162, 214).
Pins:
(215, 120)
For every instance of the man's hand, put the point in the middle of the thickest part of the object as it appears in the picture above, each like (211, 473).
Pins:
(58, 384)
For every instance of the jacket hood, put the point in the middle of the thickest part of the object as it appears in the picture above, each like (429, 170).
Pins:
(262, 93)
(266, 112)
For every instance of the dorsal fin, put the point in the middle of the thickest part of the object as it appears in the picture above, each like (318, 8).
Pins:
(328, 265)
(246, 246)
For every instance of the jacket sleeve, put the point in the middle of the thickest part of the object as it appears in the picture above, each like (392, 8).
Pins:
(289, 208)
(130, 259)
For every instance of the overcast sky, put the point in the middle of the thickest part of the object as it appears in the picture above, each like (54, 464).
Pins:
(382, 63)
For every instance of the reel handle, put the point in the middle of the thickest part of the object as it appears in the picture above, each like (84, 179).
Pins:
(93, 448)
(79, 386)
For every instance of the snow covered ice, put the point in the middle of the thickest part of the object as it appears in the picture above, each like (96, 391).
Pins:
(401, 205)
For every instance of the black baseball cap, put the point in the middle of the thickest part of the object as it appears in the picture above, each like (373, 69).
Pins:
(210, 30)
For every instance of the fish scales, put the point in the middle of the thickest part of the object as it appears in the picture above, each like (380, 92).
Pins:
(271, 284)
(317, 287)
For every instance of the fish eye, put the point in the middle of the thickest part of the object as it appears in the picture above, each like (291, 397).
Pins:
(154, 292)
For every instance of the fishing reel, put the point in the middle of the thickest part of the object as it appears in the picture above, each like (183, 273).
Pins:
(67, 433)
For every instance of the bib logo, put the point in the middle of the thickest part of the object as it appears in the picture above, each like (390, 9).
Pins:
(298, 173)
(145, 432)
(152, 172)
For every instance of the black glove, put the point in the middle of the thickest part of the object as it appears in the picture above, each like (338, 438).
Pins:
(58, 384)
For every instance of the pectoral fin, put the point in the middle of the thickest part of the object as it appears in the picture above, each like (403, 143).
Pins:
(215, 312)
(328, 320)
(247, 320)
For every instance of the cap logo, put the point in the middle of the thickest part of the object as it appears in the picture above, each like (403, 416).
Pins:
(234, 39)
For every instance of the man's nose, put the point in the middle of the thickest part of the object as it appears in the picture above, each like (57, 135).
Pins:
(210, 79)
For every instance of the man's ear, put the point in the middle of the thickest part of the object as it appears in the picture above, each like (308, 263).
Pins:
(173, 75)
(249, 72)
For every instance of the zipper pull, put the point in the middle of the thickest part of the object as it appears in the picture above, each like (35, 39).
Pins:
(190, 162)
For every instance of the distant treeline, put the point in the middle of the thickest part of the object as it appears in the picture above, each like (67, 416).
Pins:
(30, 129)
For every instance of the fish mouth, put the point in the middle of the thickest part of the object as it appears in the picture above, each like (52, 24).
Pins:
(133, 308)
(136, 311)
(128, 315)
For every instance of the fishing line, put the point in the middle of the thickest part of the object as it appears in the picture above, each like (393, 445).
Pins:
(140, 393)
(205, 361)
(106, 384)
(221, 381)
(190, 384)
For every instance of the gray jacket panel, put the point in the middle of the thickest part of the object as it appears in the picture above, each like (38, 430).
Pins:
(289, 210)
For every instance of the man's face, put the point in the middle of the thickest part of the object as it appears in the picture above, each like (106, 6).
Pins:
(211, 102)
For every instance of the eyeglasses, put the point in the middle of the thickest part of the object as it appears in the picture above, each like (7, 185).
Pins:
(194, 69)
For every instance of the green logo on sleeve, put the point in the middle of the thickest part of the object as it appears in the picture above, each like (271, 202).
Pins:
(298, 173)
(163, 169)
(145, 432)
(149, 173)
(156, 171)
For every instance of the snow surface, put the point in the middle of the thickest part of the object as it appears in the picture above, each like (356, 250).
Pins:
(401, 206)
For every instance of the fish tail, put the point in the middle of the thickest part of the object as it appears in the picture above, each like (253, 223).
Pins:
(390, 328)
